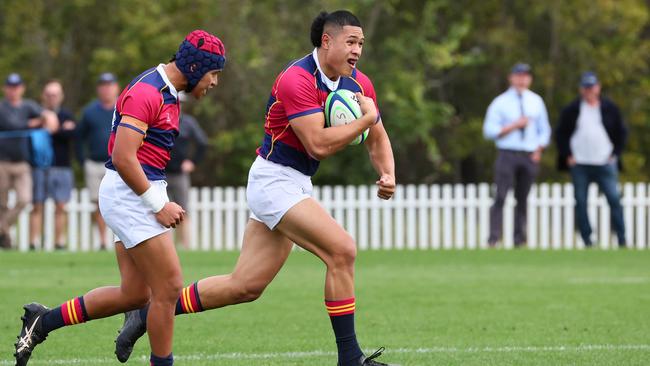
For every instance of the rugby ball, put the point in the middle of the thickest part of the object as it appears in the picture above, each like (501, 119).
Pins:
(341, 108)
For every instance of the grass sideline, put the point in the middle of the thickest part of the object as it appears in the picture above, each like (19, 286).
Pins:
(426, 307)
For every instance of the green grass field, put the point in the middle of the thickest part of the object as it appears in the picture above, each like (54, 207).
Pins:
(427, 308)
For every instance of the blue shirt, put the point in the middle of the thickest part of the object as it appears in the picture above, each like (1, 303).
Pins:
(507, 108)
(94, 130)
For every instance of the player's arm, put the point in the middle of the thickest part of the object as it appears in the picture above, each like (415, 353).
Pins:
(381, 157)
(321, 142)
(127, 142)
(128, 139)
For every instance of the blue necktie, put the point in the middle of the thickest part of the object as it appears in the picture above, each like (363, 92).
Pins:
(521, 109)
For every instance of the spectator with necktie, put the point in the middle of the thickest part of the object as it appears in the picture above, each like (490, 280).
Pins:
(517, 121)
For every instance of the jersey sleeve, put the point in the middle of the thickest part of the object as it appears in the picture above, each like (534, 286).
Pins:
(142, 102)
(297, 93)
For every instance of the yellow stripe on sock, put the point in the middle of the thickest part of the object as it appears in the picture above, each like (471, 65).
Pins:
(189, 299)
(339, 307)
(67, 307)
(74, 312)
(184, 301)
(342, 310)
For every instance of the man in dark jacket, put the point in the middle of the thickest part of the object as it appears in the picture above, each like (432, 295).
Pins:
(590, 137)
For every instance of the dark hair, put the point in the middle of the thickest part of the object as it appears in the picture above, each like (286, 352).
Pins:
(339, 18)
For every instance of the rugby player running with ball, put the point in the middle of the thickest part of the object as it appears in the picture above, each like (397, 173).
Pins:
(279, 188)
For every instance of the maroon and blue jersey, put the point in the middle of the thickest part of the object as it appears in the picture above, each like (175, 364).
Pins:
(152, 99)
(299, 91)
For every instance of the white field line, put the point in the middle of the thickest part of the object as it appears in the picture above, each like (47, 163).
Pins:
(608, 280)
(307, 354)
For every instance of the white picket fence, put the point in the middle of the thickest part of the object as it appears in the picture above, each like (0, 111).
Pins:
(419, 217)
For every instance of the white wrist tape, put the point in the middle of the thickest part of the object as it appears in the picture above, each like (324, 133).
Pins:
(153, 199)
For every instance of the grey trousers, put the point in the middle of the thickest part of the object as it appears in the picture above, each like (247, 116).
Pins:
(16, 176)
(512, 168)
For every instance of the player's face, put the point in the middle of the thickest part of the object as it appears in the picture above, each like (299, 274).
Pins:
(344, 49)
(207, 82)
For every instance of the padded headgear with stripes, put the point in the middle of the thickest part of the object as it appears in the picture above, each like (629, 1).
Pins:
(199, 53)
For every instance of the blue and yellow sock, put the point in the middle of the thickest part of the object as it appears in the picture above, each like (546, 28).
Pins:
(70, 312)
(189, 301)
(341, 314)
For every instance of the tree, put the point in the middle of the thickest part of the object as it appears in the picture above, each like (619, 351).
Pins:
(435, 65)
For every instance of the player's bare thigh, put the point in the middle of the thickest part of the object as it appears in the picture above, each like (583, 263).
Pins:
(263, 254)
(132, 283)
(156, 259)
(311, 227)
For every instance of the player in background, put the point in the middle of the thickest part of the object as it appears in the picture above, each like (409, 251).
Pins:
(279, 188)
(133, 201)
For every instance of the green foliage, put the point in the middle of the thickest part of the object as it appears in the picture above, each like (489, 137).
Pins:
(436, 65)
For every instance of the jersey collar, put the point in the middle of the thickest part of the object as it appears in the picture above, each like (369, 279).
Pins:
(331, 84)
(161, 71)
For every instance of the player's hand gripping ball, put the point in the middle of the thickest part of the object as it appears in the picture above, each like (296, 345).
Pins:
(341, 108)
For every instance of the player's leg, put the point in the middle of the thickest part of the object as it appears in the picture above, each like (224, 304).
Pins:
(263, 253)
(102, 302)
(158, 262)
(311, 227)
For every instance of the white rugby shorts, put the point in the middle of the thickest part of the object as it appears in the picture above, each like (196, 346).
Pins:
(273, 189)
(126, 215)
